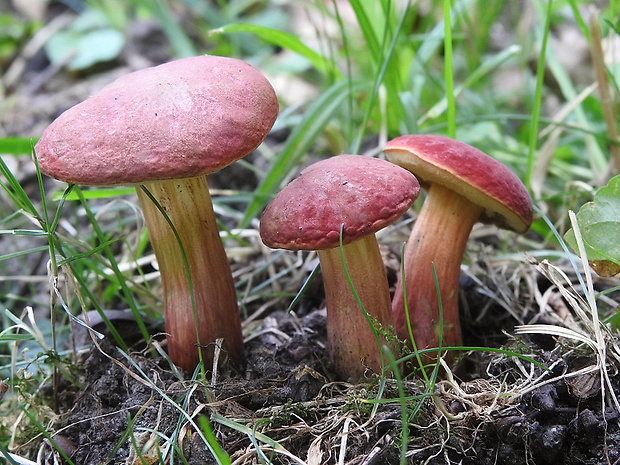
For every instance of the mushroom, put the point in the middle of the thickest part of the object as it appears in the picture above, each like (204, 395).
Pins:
(163, 129)
(464, 186)
(353, 196)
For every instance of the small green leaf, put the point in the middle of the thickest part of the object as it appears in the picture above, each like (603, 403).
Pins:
(599, 224)
(88, 40)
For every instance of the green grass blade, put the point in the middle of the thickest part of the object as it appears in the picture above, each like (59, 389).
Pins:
(109, 254)
(448, 69)
(95, 250)
(11, 459)
(367, 27)
(358, 300)
(390, 76)
(16, 145)
(30, 413)
(284, 40)
(221, 455)
(474, 77)
(381, 28)
(537, 104)
(16, 192)
(404, 409)
(181, 410)
(418, 74)
(100, 193)
(304, 287)
(179, 40)
(299, 142)
(21, 253)
(188, 272)
(252, 433)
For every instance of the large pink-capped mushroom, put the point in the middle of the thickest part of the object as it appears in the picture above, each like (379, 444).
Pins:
(361, 195)
(465, 186)
(165, 128)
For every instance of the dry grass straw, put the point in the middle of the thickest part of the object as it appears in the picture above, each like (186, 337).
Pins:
(586, 328)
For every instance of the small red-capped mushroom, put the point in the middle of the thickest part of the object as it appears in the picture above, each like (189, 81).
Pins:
(359, 195)
(465, 186)
(165, 128)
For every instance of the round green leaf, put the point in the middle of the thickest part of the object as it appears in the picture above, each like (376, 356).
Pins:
(599, 224)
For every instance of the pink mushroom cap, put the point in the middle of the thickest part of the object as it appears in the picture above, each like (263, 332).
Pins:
(469, 172)
(181, 119)
(362, 193)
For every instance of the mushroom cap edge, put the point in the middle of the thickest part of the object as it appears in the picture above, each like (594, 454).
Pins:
(468, 171)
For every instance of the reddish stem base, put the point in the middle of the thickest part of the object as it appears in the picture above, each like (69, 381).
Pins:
(187, 203)
(353, 347)
(438, 239)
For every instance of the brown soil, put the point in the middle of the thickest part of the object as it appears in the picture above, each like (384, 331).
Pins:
(287, 393)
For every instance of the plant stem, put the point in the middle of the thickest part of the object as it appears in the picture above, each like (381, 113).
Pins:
(353, 344)
(439, 237)
(200, 303)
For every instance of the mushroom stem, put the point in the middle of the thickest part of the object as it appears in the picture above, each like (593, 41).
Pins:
(439, 237)
(352, 345)
(187, 204)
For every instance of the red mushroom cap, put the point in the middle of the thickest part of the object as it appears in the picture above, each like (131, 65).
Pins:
(469, 172)
(184, 118)
(365, 194)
